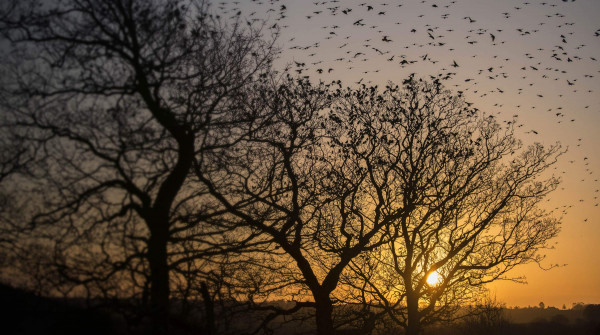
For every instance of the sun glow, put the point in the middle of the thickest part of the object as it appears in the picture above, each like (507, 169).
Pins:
(434, 278)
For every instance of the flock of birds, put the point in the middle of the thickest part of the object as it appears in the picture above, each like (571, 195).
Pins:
(531, 62)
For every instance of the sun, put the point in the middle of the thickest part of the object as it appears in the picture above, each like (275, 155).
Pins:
(434, 278)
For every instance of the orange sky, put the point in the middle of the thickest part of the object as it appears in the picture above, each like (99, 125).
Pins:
(540, 64)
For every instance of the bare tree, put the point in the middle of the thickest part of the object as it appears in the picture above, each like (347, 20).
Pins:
(367, 196)
(116, 99)
(296, 183)
(465, 198)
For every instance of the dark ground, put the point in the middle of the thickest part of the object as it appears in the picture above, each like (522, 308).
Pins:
(24, 313)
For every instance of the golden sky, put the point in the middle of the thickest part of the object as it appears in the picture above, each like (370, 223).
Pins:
(536, 59)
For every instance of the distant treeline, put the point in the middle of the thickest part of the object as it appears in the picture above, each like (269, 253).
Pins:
(535, 314)
(581, 319)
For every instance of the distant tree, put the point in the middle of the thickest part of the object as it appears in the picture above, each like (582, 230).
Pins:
(115, 100)
(485, 317)
(459, 196)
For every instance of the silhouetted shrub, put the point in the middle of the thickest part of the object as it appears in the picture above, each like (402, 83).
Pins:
(485, 318)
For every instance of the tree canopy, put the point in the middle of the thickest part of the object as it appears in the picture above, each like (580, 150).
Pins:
(369, 192)
(115, 100)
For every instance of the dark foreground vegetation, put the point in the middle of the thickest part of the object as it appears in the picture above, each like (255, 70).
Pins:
(23, 312)
(26, 313)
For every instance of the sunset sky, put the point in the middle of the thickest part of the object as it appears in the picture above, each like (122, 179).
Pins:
(535, 59)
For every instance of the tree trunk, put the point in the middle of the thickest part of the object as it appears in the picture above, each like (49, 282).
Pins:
(158, 223)
(413, 328)
(324, 314)
(210, 310)
(159, 279)
(413, 325)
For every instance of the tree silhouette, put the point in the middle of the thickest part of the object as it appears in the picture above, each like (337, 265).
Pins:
(364, 194)
(291, 182)
(461, 194)
(115, 99)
